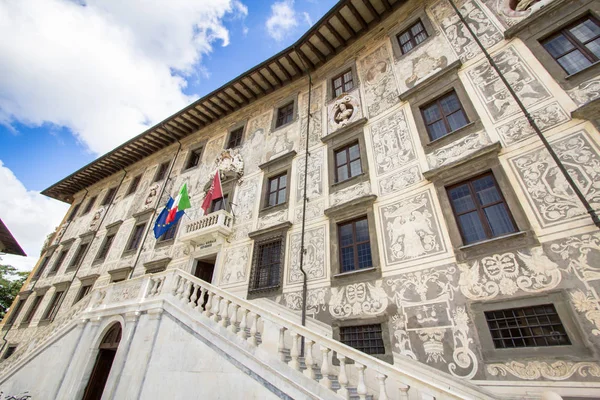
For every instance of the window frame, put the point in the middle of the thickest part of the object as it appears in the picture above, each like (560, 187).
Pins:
(14, 314)
(54, 305)
(43, 265)
(134, 185)
(394, 33)
(577, 349)
(437, 102)
(343, 86)
(160, 172)
(281, 165)
(346, 148)
(83, 291)
(337, 141)
(277, 191)
(240, 141)
(110, 196)
(412, 39)
(172, 231)
(128, 248)
(60, 260)
(222, 200)
(80, 253)
(90, 205)
(354, 244)
(37, 300)
(480, 209)
(199, 149)
(292, 99)
(284, 113)
(74, 211)
(99, 257)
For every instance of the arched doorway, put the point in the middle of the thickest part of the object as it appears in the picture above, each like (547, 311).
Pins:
(104, 360)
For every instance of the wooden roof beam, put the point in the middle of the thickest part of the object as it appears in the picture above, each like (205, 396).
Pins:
(204, 115)
(160, 139)
(357, 15)
(304, 57)
(335, 33)
(196, 120)
(344, 22)
(315, 50)
(189, 125)
(241, 95)
(262, 90)
(326, 42)
(184, 129)
(218, 106)
(174, 128)
(372, 10)
(285, 71)
(386, 4)
(233, 100)
(158, 145)
(247, 88)
(277, 78)
(293, 64)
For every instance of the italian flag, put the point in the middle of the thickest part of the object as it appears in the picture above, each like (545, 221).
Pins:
(181, 202)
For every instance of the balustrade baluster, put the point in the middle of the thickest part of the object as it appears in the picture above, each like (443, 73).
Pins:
(225, 313)
(253, 329)
(232, 321)
(325, 381)
(200, 299)
(281, 345)
(194, 295)
(382, 393)
(308, 359)
(216, 307)
(243, 324)
(343, 378)
(295, 352)
(208, 305)
(182, 284)
(361, 387)
(403, 392)
(176, 286)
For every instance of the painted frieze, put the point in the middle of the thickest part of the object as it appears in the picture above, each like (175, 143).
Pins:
(458, 149)
(392, 143)
(399, 180)
(316, 121)
(350, 193)
(551, 370)
(585, 92)
(256, 140)
(380, 88)
(358, 299)
(235, 265)
(315, 301)
(272, 218)
(547, 190)
(314, 263)
(314, 184)
(246, 198)
(546, 117)
(314, 209)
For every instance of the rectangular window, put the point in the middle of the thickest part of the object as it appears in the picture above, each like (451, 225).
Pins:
(193, 158)
(412, 37)
(366, 338)
(170, 233)
(83, 291)
(109, 196)
(235, 138)
(78, 257)
(480, 209)
(61, 258)
(444, 115)
(342, 83)
(9, 352)
(285, 115)
(136, 237)
(276, 191)
(162, 171)
(54, 305)
(134, 185)
(89, 205)
(347, 162)
(577, 46)
(355, 245)
(219, 204)
(526, 327)
(42, 267)
(103, 252)
(33, 308)
(15, 313)
(73, 213)
(268, 265)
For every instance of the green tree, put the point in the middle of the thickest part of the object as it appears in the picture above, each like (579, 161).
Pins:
(11, 281)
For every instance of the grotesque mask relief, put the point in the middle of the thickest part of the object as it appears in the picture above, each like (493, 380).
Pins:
(235, 265)
(459, 37)
(547, 190)
(411, 229)
(344, 110)
(381, 91)
(314, 256)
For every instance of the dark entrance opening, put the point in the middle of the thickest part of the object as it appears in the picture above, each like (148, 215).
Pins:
(106, 355)
(204, 270)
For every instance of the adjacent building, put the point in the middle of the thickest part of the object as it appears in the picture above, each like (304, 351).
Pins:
(383, 160)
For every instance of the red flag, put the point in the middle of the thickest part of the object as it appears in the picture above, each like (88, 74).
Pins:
(215, 192)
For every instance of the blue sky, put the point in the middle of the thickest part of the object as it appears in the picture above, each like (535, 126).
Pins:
(85, 76)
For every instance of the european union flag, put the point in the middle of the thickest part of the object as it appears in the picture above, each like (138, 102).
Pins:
(161, 226)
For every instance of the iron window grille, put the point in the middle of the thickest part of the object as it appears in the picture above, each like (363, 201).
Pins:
(235, 138)
(285, 115)
(444, 115)
(54, 305)
(365, 338)
(342, 83)
(134, 185)
(480, 209)
(576, 46)
(89, 205)
(162, 172)
(535, 326)
(412, 37)
(276, 190)
(33, 308)
(266, 274)
(347, 162)
(103, 252)
(355, 245)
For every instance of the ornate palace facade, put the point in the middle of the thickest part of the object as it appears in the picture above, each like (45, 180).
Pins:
(438, 235)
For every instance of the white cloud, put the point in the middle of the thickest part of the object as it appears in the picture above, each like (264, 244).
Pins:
(106, 69)
(307, 18)
(29, 216)
(282, 20)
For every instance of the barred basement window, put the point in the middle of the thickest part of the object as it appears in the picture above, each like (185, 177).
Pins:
(134, 185)
(89, 205)
(366, 338)
(534, 326)
(267, 268)
(342, 83)
(235, 138)
(577, 46)
(54, 305)
(412, 37)
(9, 352)
(162, 172)
(285, 115)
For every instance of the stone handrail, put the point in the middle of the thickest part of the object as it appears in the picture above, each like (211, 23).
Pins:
(220, 217)
(258, 326)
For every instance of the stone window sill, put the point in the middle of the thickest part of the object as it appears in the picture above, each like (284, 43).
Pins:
(355, 177)
(576, 74)
(276, 207)
(450, 136)
(164, 243)
(355, 272)
(277, 128)
(496, 239)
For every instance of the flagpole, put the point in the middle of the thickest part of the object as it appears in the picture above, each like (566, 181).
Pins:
(158, 202)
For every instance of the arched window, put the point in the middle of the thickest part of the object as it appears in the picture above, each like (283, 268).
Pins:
(106, 355)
